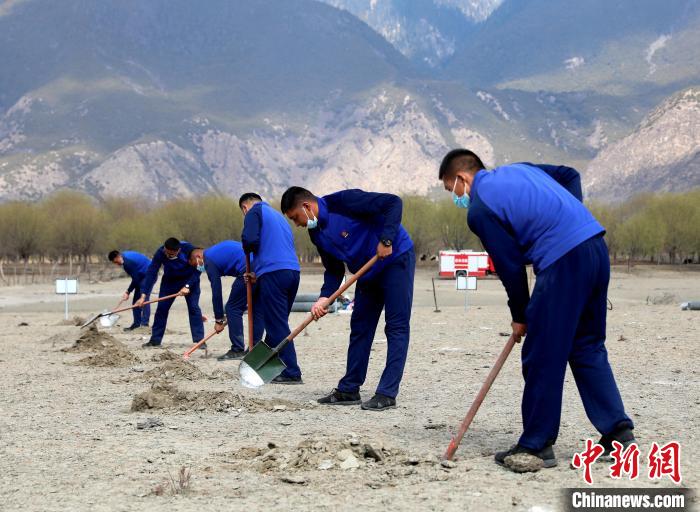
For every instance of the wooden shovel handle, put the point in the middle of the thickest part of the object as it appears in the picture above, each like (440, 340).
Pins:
(348, 283)
(454, 443)
(147, 302)
(249, 297)
(201, 342)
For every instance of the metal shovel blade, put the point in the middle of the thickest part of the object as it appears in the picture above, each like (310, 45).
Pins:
(108, 320)
(260, 366)
(91, 320)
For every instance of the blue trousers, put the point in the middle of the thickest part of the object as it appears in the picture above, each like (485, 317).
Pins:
(161, 317)
(391, 291)
(274, 296)
(566, 323)
(236, 305)
(141, 315)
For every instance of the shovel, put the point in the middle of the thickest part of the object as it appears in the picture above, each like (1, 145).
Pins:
(201, 342)
(263, 363)
(110, 313)
(249, 298)
(454, 443)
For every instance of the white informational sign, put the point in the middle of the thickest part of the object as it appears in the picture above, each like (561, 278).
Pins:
(65, 286)
(466, 283)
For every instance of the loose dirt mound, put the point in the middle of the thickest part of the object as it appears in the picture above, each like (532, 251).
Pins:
(323, 454)
(114, 357)
(166, 396)
(76, 320)
(165, 355)
(175, 369)
(92, 340)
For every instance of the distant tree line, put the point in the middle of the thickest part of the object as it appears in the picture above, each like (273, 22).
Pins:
(70, 226)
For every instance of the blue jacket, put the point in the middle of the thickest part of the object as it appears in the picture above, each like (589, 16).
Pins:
(350, 225)
(266, 233)
(223, 259)
(528, 214)
(178, 269)
(135, 265)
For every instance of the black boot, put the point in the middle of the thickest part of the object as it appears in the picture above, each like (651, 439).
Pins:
(232, 354)
(623, 435)
(341, 398)
(282, 379)
(151, 344)
(546, 454)
(379, 402)
(131, 327)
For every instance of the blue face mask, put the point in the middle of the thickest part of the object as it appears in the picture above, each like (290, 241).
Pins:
(200, 266)
(310, 223)
(460, 201)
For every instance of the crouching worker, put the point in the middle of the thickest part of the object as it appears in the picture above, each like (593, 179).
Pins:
(135, 265)
(533, 214)
(350, 227)
(178, 277)
(267, 235)
(228, 259)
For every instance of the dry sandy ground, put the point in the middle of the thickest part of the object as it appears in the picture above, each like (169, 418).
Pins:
(70, 442)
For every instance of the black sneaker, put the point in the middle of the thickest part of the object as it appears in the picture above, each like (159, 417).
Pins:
(379, 402)
(151, 344)
(341, 398)
(131, 327)
(546, 454)
(281, 379)
(232, 354)
(623, 435)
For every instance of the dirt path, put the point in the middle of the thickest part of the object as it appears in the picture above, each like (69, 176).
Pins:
(70, 440)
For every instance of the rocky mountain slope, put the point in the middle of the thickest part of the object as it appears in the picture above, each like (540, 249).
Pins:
(661, 155)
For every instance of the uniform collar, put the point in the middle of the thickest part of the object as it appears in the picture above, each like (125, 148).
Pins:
(475, 182)
(322, 213)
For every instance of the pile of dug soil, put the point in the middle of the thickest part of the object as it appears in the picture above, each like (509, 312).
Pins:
(323, 454)
(76, 320)
(165, 355)
(92, 340)
(175, 369)
(168, 397)
(114, 357)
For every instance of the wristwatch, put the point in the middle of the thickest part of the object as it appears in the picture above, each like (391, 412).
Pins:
(219, 321)
(187, 286)
(386, 243)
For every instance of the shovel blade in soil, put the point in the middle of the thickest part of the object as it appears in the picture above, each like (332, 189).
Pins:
(260, 366)
(91, 320)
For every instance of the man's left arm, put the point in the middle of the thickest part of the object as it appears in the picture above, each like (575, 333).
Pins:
(358, 203)
(567, 177)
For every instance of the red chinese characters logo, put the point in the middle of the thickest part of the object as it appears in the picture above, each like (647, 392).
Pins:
(665, 460)
(586, 458)
(624, 461)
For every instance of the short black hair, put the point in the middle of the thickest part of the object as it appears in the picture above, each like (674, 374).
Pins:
(172, 244)
(112, 255)
(470, 159)
(189, 253)
(248, 196)
(293, 196)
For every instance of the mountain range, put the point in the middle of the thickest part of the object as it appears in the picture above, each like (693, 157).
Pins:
(172, 98)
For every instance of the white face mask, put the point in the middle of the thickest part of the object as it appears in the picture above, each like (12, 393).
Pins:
(310, 223)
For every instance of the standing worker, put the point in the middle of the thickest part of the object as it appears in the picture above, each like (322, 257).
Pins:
(228, 259)
(135, 265)
(533, 214)
(178, 277)
(266, 234)
(350, 227)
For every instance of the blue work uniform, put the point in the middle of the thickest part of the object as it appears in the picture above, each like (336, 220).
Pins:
(228, 259)
(266, 234)
(176, 274)
(135, 266)
(534, 214)
(351, 224)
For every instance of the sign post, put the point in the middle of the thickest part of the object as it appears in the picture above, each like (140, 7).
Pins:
(66, 287)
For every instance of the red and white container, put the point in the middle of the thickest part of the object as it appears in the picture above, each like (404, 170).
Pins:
(472, 263)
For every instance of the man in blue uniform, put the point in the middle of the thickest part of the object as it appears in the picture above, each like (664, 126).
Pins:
(350, 227)
(178, 277)
(135, 265)
(524, 214)
(267, 235)
(228, 259)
